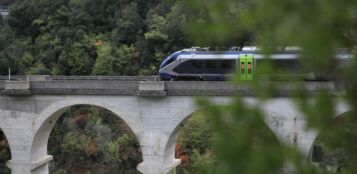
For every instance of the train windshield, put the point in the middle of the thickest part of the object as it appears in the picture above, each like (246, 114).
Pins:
(170, 59)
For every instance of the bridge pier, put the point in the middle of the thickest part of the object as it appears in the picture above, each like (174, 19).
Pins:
(153, 165)
(19, 167)
(30, 167)
(154, 159)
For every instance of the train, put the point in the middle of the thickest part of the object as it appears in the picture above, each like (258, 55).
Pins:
(201, 64)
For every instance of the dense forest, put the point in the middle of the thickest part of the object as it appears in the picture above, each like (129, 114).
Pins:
(6, 2)
(83, 37)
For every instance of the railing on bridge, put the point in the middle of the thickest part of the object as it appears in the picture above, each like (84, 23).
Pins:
(4, 10)
(73, 78)
(141, 86)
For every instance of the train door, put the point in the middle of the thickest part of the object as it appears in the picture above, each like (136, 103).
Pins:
(246, 66)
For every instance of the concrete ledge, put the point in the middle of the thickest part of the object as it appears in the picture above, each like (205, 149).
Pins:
(151, 86)
(151, 93)
(158, 169)
(15, 92)
(33, 165)
(13, 163)
(37, 77)
(42, 162)
(172, 166)
(17, 85)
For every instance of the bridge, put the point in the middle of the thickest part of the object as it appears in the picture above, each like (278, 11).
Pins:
(154, 110)
(4, 10)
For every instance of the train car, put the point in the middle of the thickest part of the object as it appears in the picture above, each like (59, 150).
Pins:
(201, 64)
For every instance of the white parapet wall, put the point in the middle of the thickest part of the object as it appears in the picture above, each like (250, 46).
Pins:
(17, 85)
(37, 77)
(151, 86)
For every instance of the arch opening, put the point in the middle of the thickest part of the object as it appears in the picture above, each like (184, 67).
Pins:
(194, 142)
(334, 148)
(88, 139)
(5, 154)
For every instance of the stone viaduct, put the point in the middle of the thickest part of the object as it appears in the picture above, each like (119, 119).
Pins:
(154, 111)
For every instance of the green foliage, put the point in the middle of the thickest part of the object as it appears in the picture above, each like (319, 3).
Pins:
(195, 144)
(104, 62)
(252, 147)
(319, 28)
(155, 24)
(127, 60)
(75, 142)
(93, 140)
(128, 24)
(39, 69)
(196, 134)
(202, 163)
(337, 144)
(66, 36)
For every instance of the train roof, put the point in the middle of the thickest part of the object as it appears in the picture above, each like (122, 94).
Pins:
(233, 55)
(284, 55)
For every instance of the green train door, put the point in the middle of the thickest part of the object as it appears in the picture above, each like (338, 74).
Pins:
(246, 66)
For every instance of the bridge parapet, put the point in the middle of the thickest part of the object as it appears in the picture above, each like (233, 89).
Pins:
(44, 85)
(37, 77)
(4, 10)
(17, 88)
(90, 85)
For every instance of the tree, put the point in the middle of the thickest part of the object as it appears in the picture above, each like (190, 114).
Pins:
(91, 139)
(194, 144)
(128, 25)
(126, 61)
(105, 60)
(319, 29)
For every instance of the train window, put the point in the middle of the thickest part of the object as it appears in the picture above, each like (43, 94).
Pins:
(172, 58)
(197, 63)
(227, 64)
(212, 64)
(184, 67)
(170, 61)
(190, 67)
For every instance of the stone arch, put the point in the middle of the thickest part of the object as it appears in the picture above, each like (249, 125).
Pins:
(338, 118)
(45, 121)
(341, 108)
(169, 152)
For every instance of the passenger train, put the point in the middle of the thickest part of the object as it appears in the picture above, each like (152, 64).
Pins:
(201, 64)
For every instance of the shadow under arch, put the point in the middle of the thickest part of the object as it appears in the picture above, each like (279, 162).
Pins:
(337, 129)
(5, 153)
(39, 148)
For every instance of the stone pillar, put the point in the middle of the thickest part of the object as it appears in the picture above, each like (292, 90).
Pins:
(18, 131)
(30, 167)
(158, 119)
(153, 148)
(19, 167)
